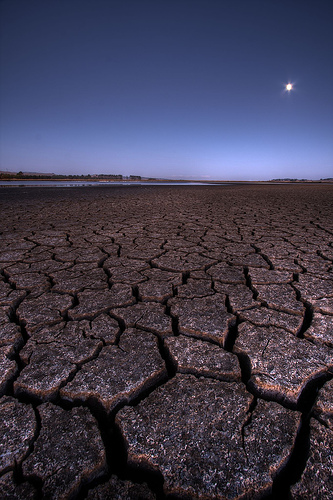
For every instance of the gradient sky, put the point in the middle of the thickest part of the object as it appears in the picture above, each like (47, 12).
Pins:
(168, 88)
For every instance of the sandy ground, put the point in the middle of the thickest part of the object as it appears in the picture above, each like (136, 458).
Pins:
(166, 342)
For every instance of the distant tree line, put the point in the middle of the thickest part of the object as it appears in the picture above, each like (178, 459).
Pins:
(22, 175)
(287, 179)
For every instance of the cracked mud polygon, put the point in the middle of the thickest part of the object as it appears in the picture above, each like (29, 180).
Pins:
(166, 342)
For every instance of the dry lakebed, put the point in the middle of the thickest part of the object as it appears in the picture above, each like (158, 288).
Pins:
(166, 342)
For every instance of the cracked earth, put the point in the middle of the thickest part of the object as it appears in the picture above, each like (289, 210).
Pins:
(166, 342)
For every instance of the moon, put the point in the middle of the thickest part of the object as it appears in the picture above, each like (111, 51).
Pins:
(289, 87)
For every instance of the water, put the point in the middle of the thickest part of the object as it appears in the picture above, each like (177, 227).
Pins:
(37, 183)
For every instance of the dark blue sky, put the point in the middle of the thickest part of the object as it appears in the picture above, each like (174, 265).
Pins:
(168, 88)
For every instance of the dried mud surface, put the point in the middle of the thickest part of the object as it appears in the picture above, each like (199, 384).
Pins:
(166, 342)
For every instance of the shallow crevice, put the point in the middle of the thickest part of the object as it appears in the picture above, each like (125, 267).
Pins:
(296, 277)
(50, 280)
(320, 253)
(91, 484)
(231, 335)
(91, 403)
(118, 464)
(142, 393)
(75, 301)
(64, 315)
(37, 483)
(185, 277)
(227, 303)
(247, 422)
(305, 400)
(169, 363)
(270, 396)
(68, 239)
(108, 275)
(55, 398)
(102, 259)
(298, 263)
(80, 365)
(208, 266)
(9, 386)
(292, 470)
(174, 322)
(264, 256)
(13, 317)
(6, 277)
(174, 294)
(248, 283)
(245, 366)
(307, 319)
(15, 303)
(136, 294)
(122, 326)
(269, 262)
(323, 228)
(310, 392)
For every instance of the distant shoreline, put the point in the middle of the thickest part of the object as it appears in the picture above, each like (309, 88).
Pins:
(159, 181)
